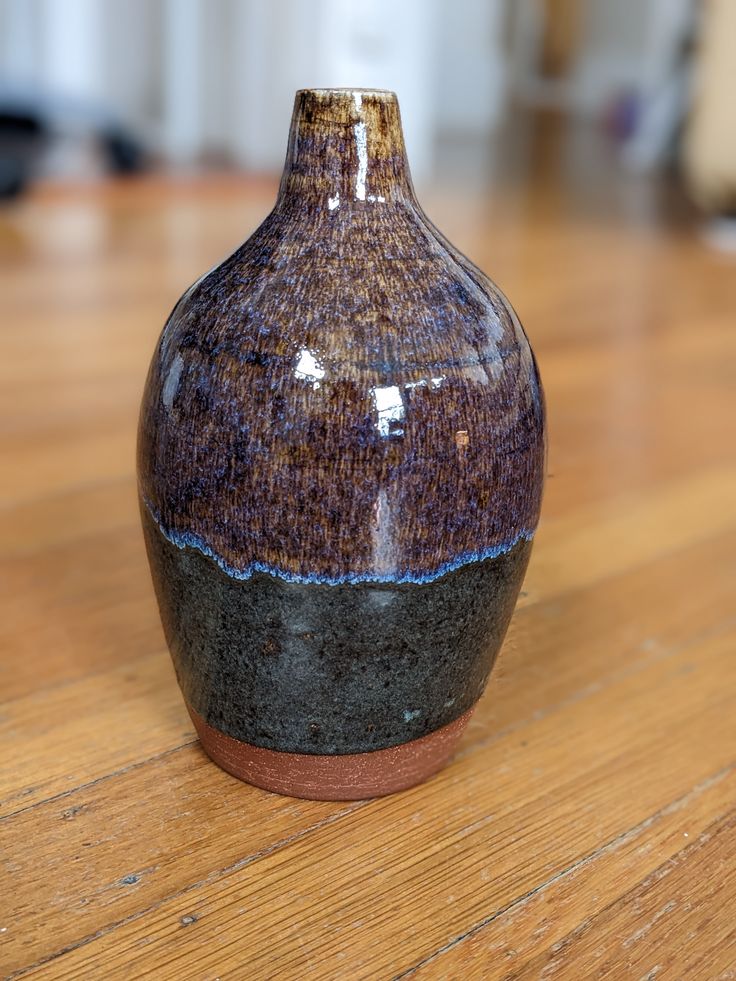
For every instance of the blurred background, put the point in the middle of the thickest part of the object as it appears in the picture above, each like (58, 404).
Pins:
(90, 88)
(581, 152)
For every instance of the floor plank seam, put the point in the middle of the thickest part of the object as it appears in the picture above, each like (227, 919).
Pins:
(192, 886)
(101, 779)
(607, 848)
(709, 633)
(654, 876)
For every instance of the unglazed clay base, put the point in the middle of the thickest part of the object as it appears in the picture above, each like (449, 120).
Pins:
(352, 776)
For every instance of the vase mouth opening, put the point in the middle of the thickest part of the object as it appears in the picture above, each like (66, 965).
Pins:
(347, 92)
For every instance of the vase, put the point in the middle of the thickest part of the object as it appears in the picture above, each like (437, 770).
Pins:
(340, 458)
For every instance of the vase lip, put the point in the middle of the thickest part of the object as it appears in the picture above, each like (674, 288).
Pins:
(347, 90)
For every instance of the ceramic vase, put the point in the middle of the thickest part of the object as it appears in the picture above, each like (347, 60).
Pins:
(340, 459)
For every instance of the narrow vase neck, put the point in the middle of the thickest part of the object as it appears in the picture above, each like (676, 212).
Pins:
(346, 149)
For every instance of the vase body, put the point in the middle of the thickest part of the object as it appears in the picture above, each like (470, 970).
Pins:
(340, 457)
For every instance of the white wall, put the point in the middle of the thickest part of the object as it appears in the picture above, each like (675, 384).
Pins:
(283, 45)
(199, 76)
(627, 45)
(470, 66)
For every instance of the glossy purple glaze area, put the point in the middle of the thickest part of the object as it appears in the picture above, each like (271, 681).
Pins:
(346, 398)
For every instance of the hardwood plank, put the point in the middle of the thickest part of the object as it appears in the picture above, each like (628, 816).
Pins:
(532, 937)
(667, 926)
(570, 646)
(106, 722)
(78, 609)
(100, 855)
(615, 535)
(556, 841)
(82, 458)
(42, 524)
(541, 670)
(480, 838)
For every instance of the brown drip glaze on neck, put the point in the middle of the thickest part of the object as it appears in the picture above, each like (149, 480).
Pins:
(346, 146)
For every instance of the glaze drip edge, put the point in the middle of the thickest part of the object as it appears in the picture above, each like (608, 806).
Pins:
(189, 539)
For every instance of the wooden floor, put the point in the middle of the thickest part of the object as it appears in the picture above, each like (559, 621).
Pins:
(587, 827)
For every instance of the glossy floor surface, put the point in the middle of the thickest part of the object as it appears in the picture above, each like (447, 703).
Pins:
(588, 823)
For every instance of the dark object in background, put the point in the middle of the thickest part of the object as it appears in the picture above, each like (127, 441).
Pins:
(29, 127)
(340, 465)
(124, 154)
(22, 138)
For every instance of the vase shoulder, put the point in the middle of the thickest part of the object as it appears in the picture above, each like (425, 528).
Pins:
(368, 292)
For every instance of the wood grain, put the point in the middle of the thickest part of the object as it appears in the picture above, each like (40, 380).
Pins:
(484, 834)
(586, 827)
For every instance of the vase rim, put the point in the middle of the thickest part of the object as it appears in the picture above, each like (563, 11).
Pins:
(387, 94)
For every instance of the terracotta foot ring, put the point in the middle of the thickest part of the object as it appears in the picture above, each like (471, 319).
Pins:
(353, 776)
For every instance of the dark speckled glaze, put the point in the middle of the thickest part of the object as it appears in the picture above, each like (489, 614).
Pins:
(340, 458)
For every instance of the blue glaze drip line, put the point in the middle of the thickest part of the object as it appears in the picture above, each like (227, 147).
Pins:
(187, 539)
